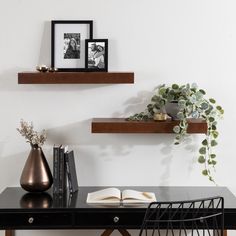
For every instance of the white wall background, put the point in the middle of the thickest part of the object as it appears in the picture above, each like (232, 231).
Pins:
(162, 41)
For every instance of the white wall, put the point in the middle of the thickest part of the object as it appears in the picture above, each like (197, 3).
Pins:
(162, 41)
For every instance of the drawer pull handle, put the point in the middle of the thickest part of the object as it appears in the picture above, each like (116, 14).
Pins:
(31, 220)
(116, 219)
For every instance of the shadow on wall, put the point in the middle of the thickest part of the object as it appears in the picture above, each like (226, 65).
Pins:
(13, 163)
(138, 104)
(115, 145)
(45, 48)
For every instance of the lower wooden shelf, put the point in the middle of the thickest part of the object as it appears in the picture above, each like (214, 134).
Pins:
(121, 125)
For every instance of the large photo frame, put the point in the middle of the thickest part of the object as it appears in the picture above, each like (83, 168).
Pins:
(68, 44)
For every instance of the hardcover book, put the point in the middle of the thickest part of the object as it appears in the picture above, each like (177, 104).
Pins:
(56, 149)
(62, 169)
(71, 171)
(114, 195)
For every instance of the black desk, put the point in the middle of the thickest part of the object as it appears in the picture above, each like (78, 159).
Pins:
(21, 210)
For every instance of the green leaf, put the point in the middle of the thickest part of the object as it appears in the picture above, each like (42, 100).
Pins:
(201, 159)
(213, 156)
(205, 172)
(204, 106)
(213, 143)
(177, 137)
(207, 112)
(199, 95)
(181, 102)
(204, 142)
(162, 91)
(180, 115)
(155, 98)
(215, 134)
(175, 86)
(202, 91)
(176, 129)
(211, 119)
(213, 127)
(213, 162)
(145, 117)
(202, 150)
(212, 100)
(211, 179)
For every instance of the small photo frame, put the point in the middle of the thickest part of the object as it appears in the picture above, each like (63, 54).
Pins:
(96, 54)
(68, 44)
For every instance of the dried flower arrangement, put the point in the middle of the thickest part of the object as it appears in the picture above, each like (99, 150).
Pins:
(33, 137)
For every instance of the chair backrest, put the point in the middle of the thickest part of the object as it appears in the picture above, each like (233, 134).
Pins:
(197, 217)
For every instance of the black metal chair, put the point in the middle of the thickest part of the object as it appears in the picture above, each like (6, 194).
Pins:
(197, 217)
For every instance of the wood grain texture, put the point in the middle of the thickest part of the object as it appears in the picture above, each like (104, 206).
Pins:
(121, 125)
(76, 78)
(9, 232)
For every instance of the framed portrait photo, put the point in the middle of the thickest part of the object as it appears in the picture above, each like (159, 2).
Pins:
(68, 44)
(96, 54)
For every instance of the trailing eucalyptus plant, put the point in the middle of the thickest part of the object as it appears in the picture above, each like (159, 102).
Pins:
(192, 103)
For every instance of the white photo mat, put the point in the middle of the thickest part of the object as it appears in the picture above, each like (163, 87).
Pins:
(59, 31)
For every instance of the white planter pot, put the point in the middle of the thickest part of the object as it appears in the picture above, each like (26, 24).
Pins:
(172, 110)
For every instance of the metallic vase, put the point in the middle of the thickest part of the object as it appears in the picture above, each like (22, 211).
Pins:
(36, 200)
(36, 175)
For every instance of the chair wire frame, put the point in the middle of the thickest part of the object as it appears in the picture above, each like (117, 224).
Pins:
(203, 217)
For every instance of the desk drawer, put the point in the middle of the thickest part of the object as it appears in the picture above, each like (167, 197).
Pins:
(108, 220)
(35, 220)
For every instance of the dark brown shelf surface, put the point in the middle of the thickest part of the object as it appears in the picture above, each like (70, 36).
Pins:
(121, 125)
(76, 78)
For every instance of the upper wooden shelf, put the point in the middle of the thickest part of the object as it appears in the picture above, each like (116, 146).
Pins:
(121, 125)
(76, 78)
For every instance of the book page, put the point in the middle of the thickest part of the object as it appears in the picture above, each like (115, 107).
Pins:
(108, 195)
(133, 196)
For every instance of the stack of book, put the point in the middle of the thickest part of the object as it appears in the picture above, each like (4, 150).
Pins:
(64, 171)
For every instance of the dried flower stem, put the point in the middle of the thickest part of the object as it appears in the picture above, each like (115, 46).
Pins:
(33, 137)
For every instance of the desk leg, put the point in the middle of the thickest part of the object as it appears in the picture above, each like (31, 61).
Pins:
(10, 232)
(107, 232)
(123, 232)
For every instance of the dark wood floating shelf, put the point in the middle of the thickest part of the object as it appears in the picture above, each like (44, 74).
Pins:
(121, 125)
(76, 78)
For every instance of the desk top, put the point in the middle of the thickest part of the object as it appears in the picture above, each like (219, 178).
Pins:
(18, 199)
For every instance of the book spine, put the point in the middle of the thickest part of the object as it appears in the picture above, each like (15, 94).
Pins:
(55, 170)
(62, 171)
(72, 171)
(68, 173)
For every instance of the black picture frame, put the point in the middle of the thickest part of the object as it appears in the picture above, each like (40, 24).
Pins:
(90, 63)
(72, 61)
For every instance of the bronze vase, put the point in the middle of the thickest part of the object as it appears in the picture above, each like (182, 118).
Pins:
(36, 175)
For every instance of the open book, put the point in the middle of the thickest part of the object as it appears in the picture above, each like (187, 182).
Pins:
(114, 195)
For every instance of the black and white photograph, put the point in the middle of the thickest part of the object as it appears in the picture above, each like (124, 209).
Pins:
(68, 44)
(97, 54)
(71, 45)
